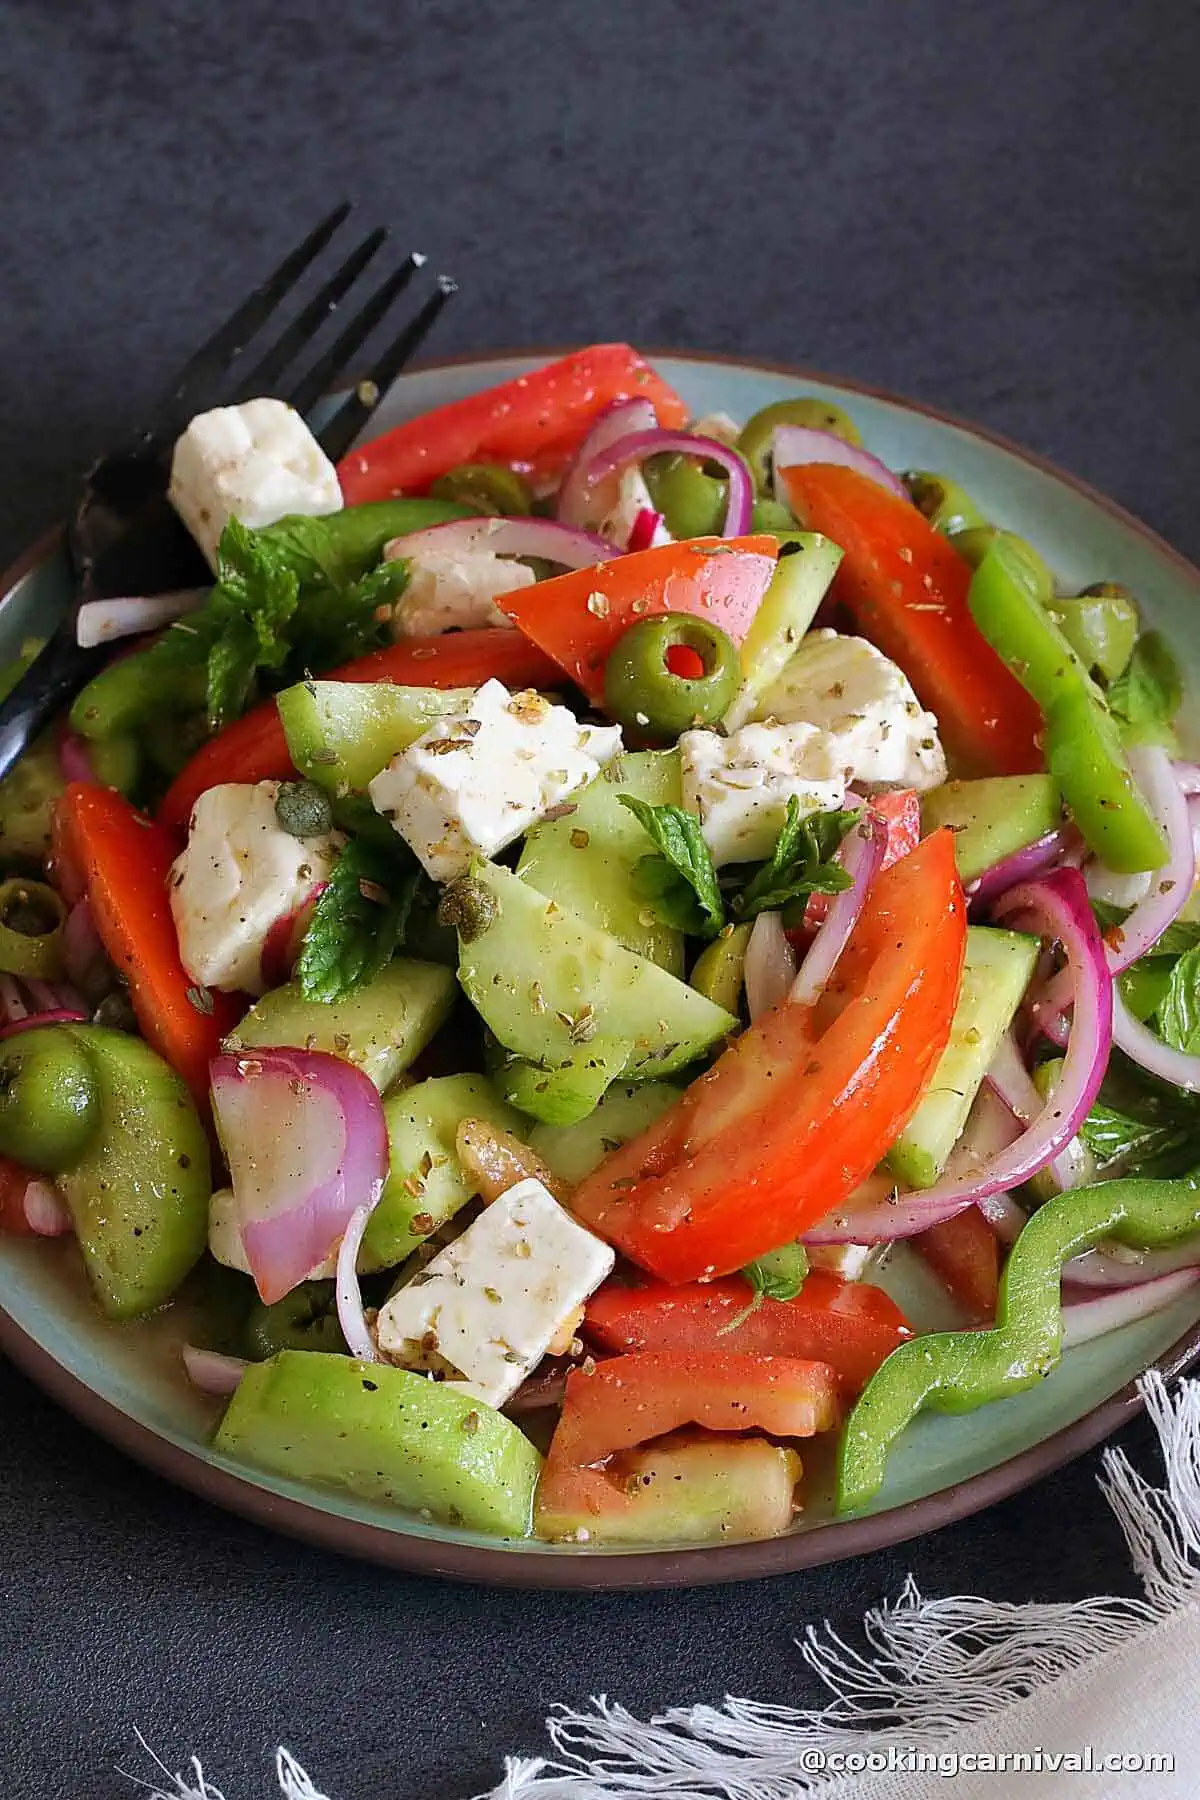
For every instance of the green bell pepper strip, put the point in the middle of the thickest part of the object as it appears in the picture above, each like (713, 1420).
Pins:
(956, 1371)
(1101, 629)
(487, 488)
(1081, 740)
(947, 506)
(32, 917)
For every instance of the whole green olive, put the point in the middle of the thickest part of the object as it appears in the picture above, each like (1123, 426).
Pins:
(947, 506)
(49, 1103)
(670, 673)
(489, 488)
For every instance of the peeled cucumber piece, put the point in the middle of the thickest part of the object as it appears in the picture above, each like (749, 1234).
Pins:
(586, 859)
(998, 968)
(573, 1151)
(548, 983)
(384, 1435)
(807, 564)
(342, 733)
(568, 1092)
(380, 1027)
(993, 818)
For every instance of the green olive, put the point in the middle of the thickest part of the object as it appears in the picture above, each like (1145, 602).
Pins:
(758, 434)
(490, 488)
(691, 502)
(771, 515)
(947, 506)
(645, 694)
(49, 1105)
(32, 917)
(116, 762)
(305, 1319)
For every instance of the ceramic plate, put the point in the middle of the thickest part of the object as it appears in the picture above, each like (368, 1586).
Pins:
(125, 1381)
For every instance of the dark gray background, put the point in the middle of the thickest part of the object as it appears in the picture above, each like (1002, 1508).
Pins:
(991, 208)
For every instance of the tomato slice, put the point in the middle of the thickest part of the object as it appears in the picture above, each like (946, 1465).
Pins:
(534, 423)
(804, 1104)
(906, 587)
(14, 1179)
(849, 1325)
(630, 1400)
(578, 618)
(901, 814)
(964, 1254)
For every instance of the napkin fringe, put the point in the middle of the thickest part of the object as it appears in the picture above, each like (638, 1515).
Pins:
(931, 1670)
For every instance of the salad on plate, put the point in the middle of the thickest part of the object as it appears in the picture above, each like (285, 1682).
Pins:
(586, 894)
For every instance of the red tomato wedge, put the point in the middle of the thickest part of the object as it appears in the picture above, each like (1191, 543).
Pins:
(850, 1325)
(901, 814)
(125, 860)
(254, 747)
(964, 1254)
(803, 1105)
(578, 618)
(14, 1179)
(534, 423)
(629, 1400)
(906, 587)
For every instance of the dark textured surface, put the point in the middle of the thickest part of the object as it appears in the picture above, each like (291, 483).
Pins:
(990, 208)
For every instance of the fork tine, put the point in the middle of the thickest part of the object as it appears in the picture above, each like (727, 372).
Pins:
(196, 384)
(338, 435)
(327, 370)
(265, 375)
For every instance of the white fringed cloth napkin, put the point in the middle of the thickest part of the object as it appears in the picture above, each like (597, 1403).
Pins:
(956, 1699)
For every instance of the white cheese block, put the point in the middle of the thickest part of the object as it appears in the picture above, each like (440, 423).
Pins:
(454, 590)
(739, 786)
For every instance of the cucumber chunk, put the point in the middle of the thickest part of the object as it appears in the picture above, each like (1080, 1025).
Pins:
(342, 733)
(567, 1092)
(807, 564)
(993, 818)
(573, 1151)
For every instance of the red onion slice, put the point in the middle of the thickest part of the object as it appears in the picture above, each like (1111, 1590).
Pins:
(54, 1015)
(351, 1316)
(547, 538)
(73, 759)
(861, 854)
(1099, 1314)
(578, 503)
(12, 1003)
(795, 445)
(83, 953)
(1150, 1052)
(1108, 1269)
(1011, 1080)
(1058, 903)
(305, 1139)
(770, 967)
(45, 1210)
(648, 530)
(212, 1372)
(1187, 774)
(1023, 865)
(641, 444)
(104, 621)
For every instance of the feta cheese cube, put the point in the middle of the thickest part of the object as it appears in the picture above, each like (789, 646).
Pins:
(739, 786)
(717, 425)
(241, 874)
(256, 462)
(480, 777)
(454, 590)
(850, 1261)
(881, 734)
(487, 1308)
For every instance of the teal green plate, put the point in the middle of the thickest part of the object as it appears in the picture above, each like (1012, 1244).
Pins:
(126, 1381)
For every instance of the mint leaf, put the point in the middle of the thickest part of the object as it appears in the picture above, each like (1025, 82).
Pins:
(780, 1274)
(358, 923)
(1179, 1011)
(801, 864)
(1147, 696)
(680, 883)
(1139, 1126)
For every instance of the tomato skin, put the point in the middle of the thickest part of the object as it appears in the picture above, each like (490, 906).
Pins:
(534, 423)
(901, 814)
(964, 1254)
(14, 1179)
(254, 747)
(578, 618)
(629, 1400)
(849, 1325)
(906, 588)
(804, 1104)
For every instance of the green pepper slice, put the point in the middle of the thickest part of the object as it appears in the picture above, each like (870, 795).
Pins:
(32, 917)
(1101, 628)
(488, 488)
(645, 694)
(720, 967)
(956, 1371)
(758, 433)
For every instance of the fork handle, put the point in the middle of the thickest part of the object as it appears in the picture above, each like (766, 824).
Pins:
(52, 680)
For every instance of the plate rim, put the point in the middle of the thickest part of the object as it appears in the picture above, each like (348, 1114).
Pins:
(611, 1571)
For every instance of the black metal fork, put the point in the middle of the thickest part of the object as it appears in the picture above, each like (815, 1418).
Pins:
(125, 538)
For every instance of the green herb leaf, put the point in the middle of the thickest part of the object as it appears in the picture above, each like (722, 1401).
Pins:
(802, 863)
(1179, 1012)
(780, 1274)
(1183, 935)
(1147, 696)
(680, 884)
(358, 923)
(1139, 1126)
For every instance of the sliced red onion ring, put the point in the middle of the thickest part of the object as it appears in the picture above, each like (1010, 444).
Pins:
(1187, 774)
(1058, 903)
(770, 967)
(45, 1210)
(648, 530)
(1022, 866)
(641, 444)
(212, 1372)
(12, 1002)
(54, 1015)
(1011, 1080)
(1130, 1268)
(104, 621)
(1150, 1052)
(861, 854)
(795, 445)
(1102, 1313)
(73, 759)
(546, 538)
(305, 1139)
(351, 1316)
(578, 502)
(84, 955)
(1173, 883)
